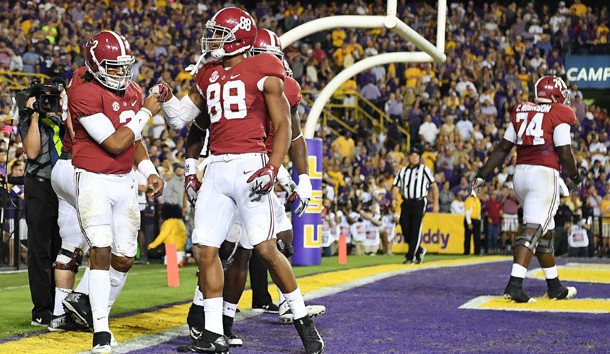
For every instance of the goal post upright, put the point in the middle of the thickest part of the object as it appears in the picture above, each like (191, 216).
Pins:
(428, 51)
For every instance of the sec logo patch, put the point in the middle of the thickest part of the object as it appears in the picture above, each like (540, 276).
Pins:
(214, 77)
(115, 106)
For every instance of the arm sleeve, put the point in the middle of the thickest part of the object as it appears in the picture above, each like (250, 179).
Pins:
(397, 179)
(561, 135)
(429, 174)
(180, 112)
(510, 134)
(98, 126)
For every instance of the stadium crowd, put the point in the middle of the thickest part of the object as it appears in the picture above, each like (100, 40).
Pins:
(454, 111)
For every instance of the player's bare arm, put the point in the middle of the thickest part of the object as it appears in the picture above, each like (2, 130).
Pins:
(568, 162)
(194, 145)
(279, 112)
(194, 142)
(298, 146)
(496, 157)
(146, 167)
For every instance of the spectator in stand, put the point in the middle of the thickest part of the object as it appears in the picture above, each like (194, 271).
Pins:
(428, 131)
(174, 188)
(393, 108)
(345, 145)
(446, 198)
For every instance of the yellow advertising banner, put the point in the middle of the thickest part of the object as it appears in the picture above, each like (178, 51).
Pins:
(441, 233)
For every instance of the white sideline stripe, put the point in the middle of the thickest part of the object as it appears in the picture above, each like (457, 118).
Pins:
(183, 331)
(14, 287)
(475, 304)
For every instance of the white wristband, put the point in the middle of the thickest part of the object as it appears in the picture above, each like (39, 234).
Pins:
(190, 166)
(138, 122)
(147, 168)
(297, 137)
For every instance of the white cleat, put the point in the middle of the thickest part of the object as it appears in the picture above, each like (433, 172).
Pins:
(286, 316)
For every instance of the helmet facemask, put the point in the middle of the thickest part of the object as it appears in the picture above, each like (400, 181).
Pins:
(105, 72)
(214, 39)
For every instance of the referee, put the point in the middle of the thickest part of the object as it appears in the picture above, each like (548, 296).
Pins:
(414, 182)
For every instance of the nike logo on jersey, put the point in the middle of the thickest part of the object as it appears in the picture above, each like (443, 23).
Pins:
(234, 76)
(134, 103)
(246, 172)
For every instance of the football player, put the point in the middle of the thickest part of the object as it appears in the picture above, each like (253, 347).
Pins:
(73, 241)
(236, 273)
(241, 95)
(541, 131)
(108, 117)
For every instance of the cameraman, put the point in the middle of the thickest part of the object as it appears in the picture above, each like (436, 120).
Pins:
(41, 134)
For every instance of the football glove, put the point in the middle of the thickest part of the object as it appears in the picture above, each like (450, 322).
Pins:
(476, 185)
(304, 190)
(284, 179)
(191, 182)
(262, 181)
(163, 89)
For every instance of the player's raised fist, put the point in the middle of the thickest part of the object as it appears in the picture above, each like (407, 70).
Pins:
(163, 90)
(152, 104)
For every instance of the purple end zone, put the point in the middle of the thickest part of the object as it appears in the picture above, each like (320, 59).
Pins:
(418, 313)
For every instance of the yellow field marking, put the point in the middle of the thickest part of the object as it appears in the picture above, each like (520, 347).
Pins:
(130, 327)
(542, 304)
(579, 272)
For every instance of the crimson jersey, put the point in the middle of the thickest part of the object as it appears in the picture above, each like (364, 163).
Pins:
(77, 78)
(533, 132)
(236, 103)
(89, 98)
(292, 89)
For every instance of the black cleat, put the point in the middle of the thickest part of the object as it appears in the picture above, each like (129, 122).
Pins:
(101, 342)
(515, 293)
(77, 305)
(208, 342)
(196, 321)
(268, 308)
(309, 335)
(561, 292)
(65, 322)
(233, 339)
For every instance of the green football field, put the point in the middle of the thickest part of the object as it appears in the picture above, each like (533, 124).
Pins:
(146, 287)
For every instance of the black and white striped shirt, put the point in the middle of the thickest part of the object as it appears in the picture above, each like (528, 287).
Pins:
(414, 182)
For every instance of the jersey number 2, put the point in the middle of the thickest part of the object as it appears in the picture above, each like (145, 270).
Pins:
(233, 100)
(533, 128)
